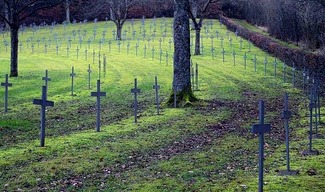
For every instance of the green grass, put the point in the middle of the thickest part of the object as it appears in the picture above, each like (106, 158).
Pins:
(207, 146)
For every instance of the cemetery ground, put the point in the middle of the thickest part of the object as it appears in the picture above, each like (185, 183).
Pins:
(205, 146)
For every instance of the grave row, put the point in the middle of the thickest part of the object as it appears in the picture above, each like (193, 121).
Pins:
(261, 128)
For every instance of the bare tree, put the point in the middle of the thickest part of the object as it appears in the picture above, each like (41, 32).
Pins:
(197, 13)
(118, 14)
(182, 55)
(18, 11)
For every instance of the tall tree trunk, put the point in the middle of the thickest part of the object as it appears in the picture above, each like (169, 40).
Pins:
(118, 31)
(194, 11)
(67, 10)
(197, 40)
(182, 55)
(6, 14)
(14, 51)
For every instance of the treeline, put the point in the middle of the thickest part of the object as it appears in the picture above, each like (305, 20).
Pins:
(299, 21)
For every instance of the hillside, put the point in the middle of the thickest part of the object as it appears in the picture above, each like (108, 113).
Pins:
(207, 146)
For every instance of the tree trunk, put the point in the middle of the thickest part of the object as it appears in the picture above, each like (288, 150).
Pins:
(197, 41)
(67, 10)
(6, 14)
(118, 31)
(14, 51)
(182, 55)
(194, 11)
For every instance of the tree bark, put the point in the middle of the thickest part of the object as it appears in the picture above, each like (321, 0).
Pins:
(182, 55)
(14, 51)
(67, 10)
(197, 41)
(118, 31)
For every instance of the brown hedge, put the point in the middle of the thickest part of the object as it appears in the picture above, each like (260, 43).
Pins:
(292, 57)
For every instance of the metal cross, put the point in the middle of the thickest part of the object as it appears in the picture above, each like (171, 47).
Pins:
(46, 79)
(135, 91)
(44, 103)
(156, 87)
(72, 75)
(98, 94)
(6, 84)
(260, 129)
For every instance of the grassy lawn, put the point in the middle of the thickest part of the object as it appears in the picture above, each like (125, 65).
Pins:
(207, 146)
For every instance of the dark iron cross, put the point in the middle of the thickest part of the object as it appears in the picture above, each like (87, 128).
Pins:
(46, 79)
(156, 87)
(260, 129)
(6, 84)
(135, 91)
(72, 75)
(98, 94)
(43, 103)
(89, 72)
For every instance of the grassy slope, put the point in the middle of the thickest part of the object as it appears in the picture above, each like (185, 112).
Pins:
(207, 146)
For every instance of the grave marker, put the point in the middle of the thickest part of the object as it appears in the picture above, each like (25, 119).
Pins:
(128, 47)
(221, 41)
(260, 129)
(245, 57)
(46, 79)
(135, 91)
(175, 96)
(104, 64)
(99, 69)
(136, 49)
(156, 87)
(98, 94)
(265, 63)
(89, 78)
(93, 56)
(223, 54)
(315, 107)
(255, 59)
(119, 45)
(192, 76)
(109, 45)
(234, 56)
(310, 150)
(212, 52)
(145, 51)
(44, 103)
(6, 84)
(286, 115)
(202, 49)
(275, 64)
(160, 55)
(72, 75)
(197, 76)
